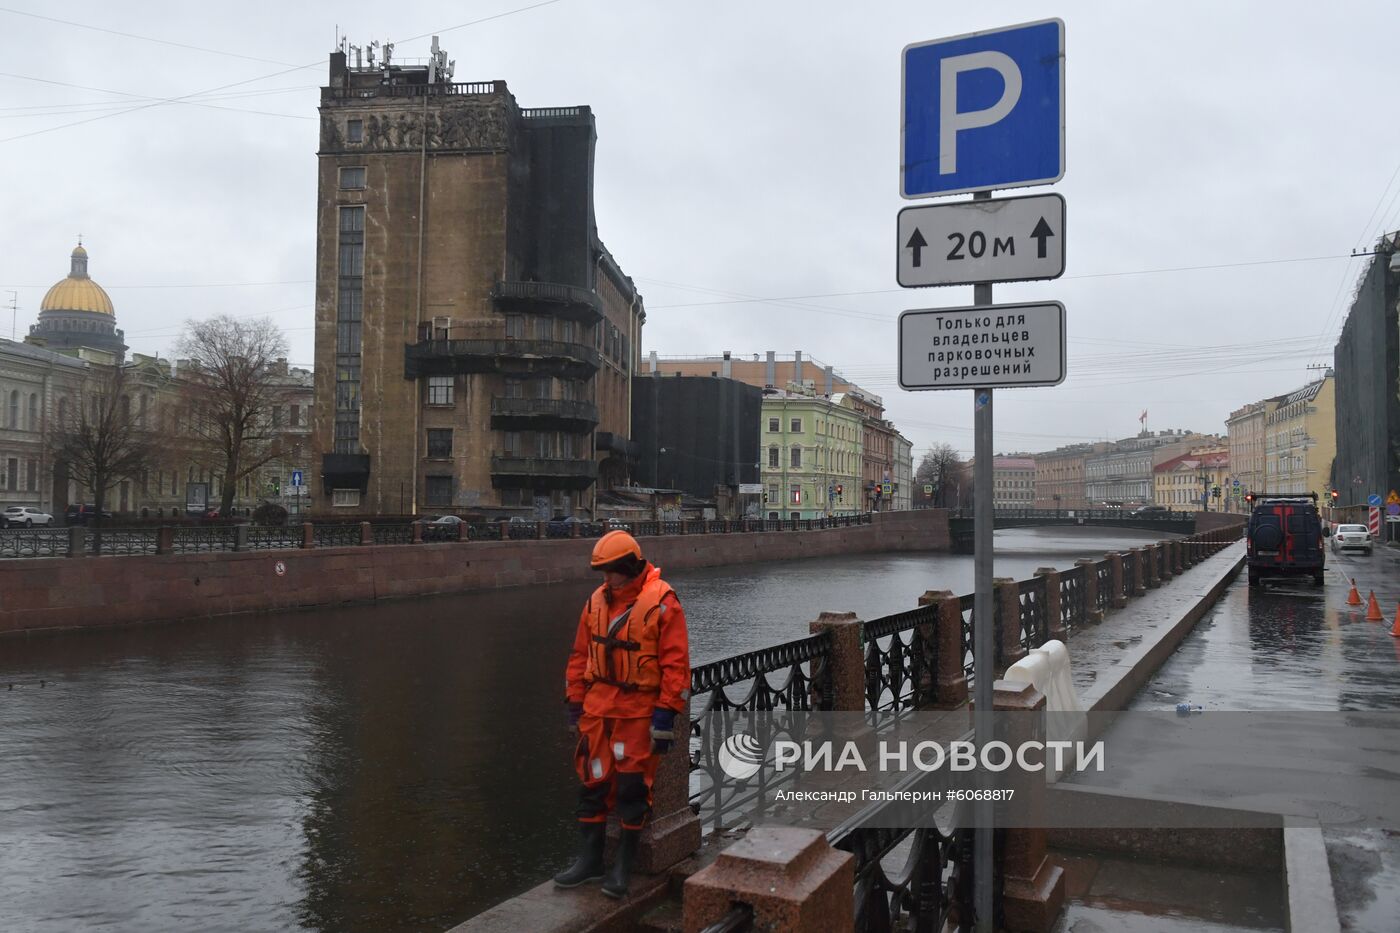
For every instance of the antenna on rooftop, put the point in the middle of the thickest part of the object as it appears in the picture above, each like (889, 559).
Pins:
(14, 313)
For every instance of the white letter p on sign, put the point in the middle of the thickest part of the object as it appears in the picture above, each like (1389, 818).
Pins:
(950, 121)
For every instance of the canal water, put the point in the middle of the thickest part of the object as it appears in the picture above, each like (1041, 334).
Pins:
(401, 766)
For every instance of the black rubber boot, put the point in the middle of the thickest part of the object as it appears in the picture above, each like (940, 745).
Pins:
(589, 864)
(615, 884)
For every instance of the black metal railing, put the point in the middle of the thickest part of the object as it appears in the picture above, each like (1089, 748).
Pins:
(1129, 571)
(121, 542)
(936, 874)
(1035, 627)
(901, 660)
(392, 534)
(1072, 610)
(336, 535)
(1103, 596)
(273, 538)
(199, 539)
(34, 542)
(792, 676)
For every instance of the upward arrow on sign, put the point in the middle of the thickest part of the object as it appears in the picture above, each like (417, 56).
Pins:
(917, 244)
(1039, 234)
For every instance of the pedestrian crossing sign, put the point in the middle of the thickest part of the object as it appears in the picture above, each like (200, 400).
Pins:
(1393, 498)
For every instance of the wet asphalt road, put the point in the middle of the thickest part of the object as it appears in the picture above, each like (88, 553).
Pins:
(1292, 646)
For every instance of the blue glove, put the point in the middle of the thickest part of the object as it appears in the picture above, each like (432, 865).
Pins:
(663, 726)
(575, 711)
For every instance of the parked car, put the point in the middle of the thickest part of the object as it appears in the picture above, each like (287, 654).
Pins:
(25, 516)
(560, 526)
(442, 528)
(1148, 509)
(1351, 538)
(77, 514)
(1284, 538)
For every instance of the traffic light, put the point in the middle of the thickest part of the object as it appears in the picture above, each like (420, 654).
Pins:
(1249, 497)
(1215, 492)
(1336, 494)
(839, 490)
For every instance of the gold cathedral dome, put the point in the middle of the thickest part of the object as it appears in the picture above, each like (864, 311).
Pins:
(78, 292)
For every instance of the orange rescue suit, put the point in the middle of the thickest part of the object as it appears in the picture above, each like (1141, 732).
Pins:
(631, 653)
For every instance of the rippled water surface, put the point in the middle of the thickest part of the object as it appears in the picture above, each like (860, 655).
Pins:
(391, 767)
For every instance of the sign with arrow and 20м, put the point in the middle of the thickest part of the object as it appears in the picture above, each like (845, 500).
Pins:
(975, 242)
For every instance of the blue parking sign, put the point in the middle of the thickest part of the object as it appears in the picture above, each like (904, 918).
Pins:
(984, 111)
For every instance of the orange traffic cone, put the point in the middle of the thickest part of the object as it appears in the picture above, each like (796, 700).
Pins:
(1373, 609)
(1353, 597)
(1395, 629)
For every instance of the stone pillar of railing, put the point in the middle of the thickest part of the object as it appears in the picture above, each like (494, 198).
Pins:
(747, 526)
(240, 537)
(540, 531)
(573, 529)
(1139, 571)
(1092, 613)
(845, 663)
(1007, 598)
(1178, 557)
(672, 832)
(308, 535)
(366, 533)
(791, 878)
(1054, 612)
(77, 541)
(416, 532)
(1033, 887)
(1116, 599)
(165, 540)
(949, 680)
(1164, 562)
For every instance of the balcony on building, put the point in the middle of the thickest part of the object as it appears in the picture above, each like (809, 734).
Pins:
(543, 414)
(568, 302)
(610, 443)
(549, 472)
(442, 352)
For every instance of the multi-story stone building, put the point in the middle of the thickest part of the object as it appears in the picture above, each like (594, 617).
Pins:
(799, 374)
(1367, 359)
(1188, 482)
(1245, 430)
(1300, 440)
(1059, 476)
(811, 453)
(33, 380)
(1122, 476)
(1013, 482)
(698, 434)
(903, 473)
(475, 340)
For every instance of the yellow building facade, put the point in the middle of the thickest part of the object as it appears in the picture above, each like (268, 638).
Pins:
(1300, 440)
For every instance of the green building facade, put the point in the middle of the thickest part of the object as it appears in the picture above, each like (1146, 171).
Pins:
(810, 455)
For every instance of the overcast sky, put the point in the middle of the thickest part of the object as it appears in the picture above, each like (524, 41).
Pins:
(1223, 160)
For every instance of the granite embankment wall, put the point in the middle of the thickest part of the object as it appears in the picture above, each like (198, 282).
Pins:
(90, 592)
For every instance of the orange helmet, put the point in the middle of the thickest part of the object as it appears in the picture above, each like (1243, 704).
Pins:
(614, 546)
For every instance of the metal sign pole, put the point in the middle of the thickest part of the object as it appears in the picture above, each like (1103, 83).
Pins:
(984, 618)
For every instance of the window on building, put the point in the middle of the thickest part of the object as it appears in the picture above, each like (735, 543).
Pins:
(14, 409)
(354, 131)
(438, 491)
(796, 426)
(439, 442)
(294, 418)
(12, 474)
(544, 444)
(440, 390)
(544, 388)
(544, 328)
(515, 326)
(352, 177)
(795, 496)
(511, 446)
(772, 492)
(568, 332)
(566, 446)
(773, 458)
(33, 412)
(32, 469)
(277, 416)
(774, 425)
(515, 388)
(795, 455)
(349, 312)
(345, 498)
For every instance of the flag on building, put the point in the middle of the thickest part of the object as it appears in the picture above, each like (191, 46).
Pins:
(1143, 417)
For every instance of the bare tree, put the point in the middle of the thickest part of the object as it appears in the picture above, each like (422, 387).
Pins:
(940, 468)
(97, 440)
(228, 390)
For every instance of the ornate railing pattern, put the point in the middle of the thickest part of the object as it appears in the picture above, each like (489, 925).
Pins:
(966, 607)
(919, 895)
(1129, 571)
(34, 542)
(900, 661)
(197, 539)
(336, 535)
(270, 538)
(1035, 627)
(1103, 596)
(121, 542)
(393, 534)
(790, 676)
(1073, 613)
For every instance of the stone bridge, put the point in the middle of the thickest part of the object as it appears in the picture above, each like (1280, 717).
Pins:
(960, 521)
